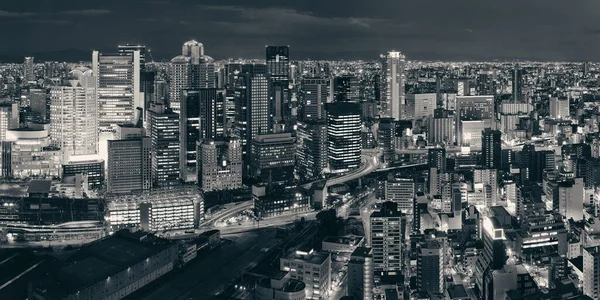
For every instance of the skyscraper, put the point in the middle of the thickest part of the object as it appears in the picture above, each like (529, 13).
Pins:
(392, 85)
(131, 48)
(343, 136)
(386, 139)
(28, 69)
(73, 115)
(517, 84)
(9, 119)
(273, 157)
(491, 148)
(311, 154)
(315, 92)
(430, 267)
(180, 74)
(469, 110)
(219, 164)
(591, 274)
(194, 50)
(129, 165)
(278, 68)
(385, 239)
(164, 128)
(360, 274)
(252, 104)
(346, 89)
(559, 108)
(117, 88)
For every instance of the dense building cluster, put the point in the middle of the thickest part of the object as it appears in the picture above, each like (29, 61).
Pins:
(463, 180)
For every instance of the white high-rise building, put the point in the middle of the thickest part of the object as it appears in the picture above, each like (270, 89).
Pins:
(393, 78)
(559, 108)
(194, 50)
(180, 73)
(117, 88)
(591, 276)
(73, 115)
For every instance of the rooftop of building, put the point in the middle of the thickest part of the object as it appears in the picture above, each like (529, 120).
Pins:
(457, 291)
(101, 259)
(40, 186)
(351, 240)
(311, 257)
(290, 286)
(362, 252)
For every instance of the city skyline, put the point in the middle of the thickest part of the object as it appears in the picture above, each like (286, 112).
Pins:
(422, 30)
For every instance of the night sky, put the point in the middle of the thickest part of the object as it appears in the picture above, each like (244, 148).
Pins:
(318, 29)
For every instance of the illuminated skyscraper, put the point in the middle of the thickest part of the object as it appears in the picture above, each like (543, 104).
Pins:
(117, 88)
(311, 152)
(385, 239)
(28, 69)
(343, 136)
(73, 115)
(346, 89)
(131, 48)
(315, 92)
(392, 85)
(386, 139)
(252, 104)
(129, 165)
(164, 128)
(180, 73)
(9, 119)
(278, 66)
(273, 157)
(430, 267)
(559, 108)
(517, 84)
(491, 151)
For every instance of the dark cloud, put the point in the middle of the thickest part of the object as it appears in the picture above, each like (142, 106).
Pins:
(348, 29)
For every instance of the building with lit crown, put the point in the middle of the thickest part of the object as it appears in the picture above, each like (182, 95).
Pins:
(219, 164)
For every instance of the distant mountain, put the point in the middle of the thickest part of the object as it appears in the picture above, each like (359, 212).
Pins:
(68, 55)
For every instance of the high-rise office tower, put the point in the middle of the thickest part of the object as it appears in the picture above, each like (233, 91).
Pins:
(117, 88)
(273, 157)
(194, 50)
(189, 129)
(591, 272)
(252, 105)
(278, 67)
(343, 136)
(9, 119)
(315, 92)
(360, 274)
(28, 69)
(517, 84)
(164, 128)
(559, 108)
(219, 164)
(129, 165)
(202, 117)
(493, 256)
(131, 48)
(491, 148)
(38, 105)
(430, 267)
(392, 85)
(311, 153)
(386, 139)
(385, 239)
(73, 115)
(420, 106)
(212, 112)
(346, 89)
(181, 78)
